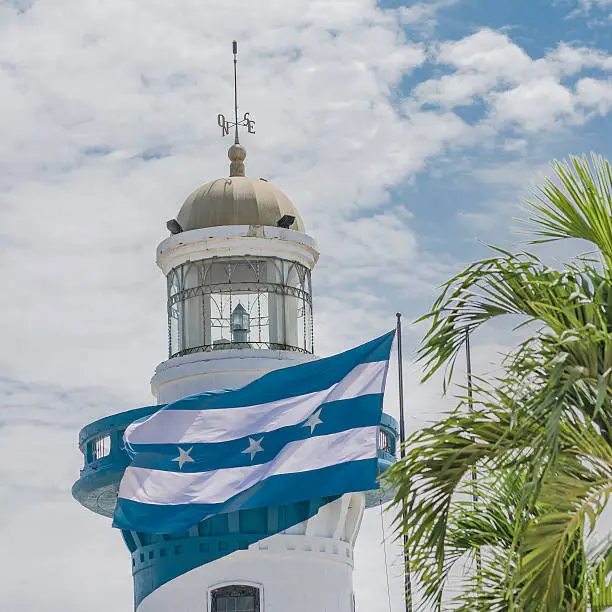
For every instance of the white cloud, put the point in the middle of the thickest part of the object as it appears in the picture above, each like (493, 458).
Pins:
(424, 14)
(589, 4)
(516, 89)
(488, 52)
(595, 94)
(456, 89)
(39, 460)
(567, 60)
(596, 12)
(535, 105)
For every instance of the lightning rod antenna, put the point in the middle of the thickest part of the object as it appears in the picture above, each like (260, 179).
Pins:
(235, 49)
(236, 152)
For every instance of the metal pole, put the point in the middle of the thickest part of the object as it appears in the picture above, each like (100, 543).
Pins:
(470, 396)
(235, 49)
(400, 369)
(468, 367)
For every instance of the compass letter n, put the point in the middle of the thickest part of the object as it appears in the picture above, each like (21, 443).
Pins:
(222, 123)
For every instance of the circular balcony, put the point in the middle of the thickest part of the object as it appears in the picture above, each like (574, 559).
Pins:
(105, 459)
(156, 559)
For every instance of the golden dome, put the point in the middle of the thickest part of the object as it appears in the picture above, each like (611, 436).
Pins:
(237, 200)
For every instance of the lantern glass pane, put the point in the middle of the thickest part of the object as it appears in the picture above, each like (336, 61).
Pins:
(194, 322)
(175, 328)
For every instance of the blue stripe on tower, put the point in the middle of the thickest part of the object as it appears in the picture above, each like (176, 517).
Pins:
(160, 559)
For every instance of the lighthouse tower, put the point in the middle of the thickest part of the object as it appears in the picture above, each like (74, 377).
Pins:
(238, 265)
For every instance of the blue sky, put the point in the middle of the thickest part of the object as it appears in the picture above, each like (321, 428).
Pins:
(537, 26)
(407, 134)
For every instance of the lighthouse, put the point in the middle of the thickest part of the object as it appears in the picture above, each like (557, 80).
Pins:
(238, 265)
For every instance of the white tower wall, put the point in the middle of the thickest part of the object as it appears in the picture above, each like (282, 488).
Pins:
(181, 376)
(308, 566)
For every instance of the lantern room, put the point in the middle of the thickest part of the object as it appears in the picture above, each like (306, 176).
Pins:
(238, 269)
(222, 301)
(239, 302)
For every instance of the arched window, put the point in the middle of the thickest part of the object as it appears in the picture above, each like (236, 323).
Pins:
(235, 598)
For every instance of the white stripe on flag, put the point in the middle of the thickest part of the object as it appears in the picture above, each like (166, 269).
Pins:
(150, 486)
(223, 424)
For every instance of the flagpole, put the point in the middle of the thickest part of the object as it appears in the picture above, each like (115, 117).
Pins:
(400, 369)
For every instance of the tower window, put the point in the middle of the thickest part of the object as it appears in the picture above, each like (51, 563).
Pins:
(235, 598)
(100, 447)
(385, 442)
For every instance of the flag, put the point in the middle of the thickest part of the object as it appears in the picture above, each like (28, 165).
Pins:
(295, 434)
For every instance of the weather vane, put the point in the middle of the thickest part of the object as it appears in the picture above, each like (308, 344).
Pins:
(246, 120)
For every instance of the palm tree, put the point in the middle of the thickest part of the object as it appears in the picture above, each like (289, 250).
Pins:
(539, 436)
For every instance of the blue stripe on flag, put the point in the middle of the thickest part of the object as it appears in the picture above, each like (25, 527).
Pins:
(154, 518)
(362, 411)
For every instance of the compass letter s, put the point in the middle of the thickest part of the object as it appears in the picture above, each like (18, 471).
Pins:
(250, 124)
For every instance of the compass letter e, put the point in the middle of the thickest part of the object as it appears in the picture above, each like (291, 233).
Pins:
(250, 124)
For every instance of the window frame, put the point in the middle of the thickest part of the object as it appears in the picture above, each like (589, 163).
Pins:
(100, 447)
(250, 590)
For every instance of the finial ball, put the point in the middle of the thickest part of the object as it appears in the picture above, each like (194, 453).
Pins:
(236, 153)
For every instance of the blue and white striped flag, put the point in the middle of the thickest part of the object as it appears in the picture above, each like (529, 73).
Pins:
(295, 434)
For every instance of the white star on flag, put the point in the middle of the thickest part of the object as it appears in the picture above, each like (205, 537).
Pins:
(254, 447)
(183, 457)
(313, 420)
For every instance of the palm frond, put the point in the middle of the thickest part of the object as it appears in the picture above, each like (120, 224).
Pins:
(580, 207)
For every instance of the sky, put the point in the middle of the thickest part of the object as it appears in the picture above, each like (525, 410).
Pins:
(407, 134)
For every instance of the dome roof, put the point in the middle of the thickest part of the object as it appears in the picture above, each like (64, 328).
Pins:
(237, 200)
